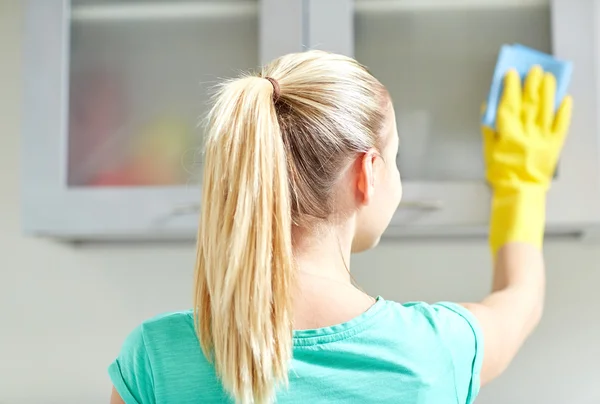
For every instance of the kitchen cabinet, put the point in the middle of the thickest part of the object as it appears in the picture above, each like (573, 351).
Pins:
(113, 94)
(436, 57)
(114, 91)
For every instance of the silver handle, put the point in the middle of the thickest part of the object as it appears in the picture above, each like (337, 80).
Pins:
(422, 205)
(185, 210)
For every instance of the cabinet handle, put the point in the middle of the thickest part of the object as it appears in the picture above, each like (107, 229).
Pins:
(163, 219)
(421, 205)
(185, 210)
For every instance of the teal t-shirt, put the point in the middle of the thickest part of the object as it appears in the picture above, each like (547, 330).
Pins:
(393, 353)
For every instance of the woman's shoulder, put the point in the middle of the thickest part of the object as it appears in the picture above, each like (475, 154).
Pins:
(443, 318)
(160, 340)
(449, 327)
(433, 312)
(166, 332)
(165, 328)
(156, 353)
(184, 318)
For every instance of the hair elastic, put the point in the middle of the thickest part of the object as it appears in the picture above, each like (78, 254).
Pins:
(276, 88)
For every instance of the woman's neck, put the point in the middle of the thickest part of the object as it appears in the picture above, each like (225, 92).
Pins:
(324, 294)
(324, 252)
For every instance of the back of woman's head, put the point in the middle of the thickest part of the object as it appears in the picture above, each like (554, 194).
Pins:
(277, 143)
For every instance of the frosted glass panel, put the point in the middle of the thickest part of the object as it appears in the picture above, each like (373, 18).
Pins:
(436, 59)
(140, 76)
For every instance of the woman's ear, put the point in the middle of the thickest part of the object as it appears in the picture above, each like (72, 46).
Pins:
(366, 176)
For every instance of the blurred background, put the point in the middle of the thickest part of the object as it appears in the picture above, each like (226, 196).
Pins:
(138, 81)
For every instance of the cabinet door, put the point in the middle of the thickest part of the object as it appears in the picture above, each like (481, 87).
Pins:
(437, 57)
(114, 94)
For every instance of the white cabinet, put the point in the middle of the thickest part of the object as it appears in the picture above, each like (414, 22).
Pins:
(114, 89)
(437, 57)
(113, 94)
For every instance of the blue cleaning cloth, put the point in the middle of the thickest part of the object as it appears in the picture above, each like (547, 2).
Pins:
(523, 59)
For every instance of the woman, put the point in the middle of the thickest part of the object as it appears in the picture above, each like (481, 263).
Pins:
(300, 172)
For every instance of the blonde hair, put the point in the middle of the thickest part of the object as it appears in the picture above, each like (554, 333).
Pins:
(272, 163)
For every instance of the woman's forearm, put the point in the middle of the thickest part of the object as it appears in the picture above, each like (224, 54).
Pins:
(519, 284)
(519, 265)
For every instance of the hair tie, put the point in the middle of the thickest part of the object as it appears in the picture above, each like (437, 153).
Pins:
(276, 88)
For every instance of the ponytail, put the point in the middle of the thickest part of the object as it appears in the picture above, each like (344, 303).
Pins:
(244, 263)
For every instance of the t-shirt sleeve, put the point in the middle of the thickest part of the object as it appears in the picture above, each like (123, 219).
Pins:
(462, 335)
(131, 371)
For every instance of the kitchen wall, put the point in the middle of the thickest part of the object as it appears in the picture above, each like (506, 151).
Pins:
(65, 309)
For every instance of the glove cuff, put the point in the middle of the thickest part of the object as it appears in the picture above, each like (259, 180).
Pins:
(517, 215)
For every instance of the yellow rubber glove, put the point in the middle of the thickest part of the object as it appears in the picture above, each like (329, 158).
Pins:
(521, 156)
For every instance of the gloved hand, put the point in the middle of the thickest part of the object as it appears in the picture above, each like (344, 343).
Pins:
(521, 156)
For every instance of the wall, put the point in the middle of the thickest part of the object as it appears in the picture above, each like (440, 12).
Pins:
(64, 310)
